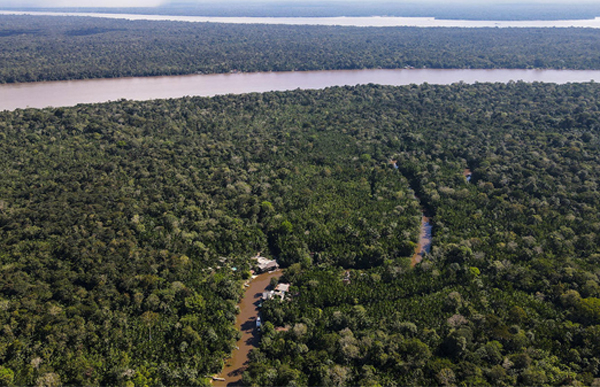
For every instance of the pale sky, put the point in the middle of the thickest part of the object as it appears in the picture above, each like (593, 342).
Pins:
(80, 3)
(153, 3)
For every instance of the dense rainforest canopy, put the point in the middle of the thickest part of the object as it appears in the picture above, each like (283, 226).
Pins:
(121, 223)
(35, 48)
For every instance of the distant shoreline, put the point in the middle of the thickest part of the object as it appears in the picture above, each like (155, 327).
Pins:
(528, 10)
(346, 21)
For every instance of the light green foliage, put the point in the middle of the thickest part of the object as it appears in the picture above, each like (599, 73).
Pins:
(58, 48)
(507, 295)
(7, 376)
(121, 223)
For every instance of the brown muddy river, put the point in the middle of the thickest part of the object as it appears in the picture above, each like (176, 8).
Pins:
(70, 93)
(246, 323)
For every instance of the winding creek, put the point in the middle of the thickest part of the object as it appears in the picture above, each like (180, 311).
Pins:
(246, 323)
(425, 238)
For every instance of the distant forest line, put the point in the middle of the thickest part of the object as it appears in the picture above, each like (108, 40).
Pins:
(522, 11)
(36, 48)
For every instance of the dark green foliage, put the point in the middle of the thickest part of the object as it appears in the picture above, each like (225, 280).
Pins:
(497, 302)
(35, 48)
(120, 223)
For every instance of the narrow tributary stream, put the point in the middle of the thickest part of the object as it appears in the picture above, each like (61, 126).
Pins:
(424, 245)
(249, 310)
(246, 323)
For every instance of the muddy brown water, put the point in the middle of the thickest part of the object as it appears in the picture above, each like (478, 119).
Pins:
(424, 245)
(70, 93)
(246, 323)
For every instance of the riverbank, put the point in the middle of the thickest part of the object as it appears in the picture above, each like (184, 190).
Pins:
(246, 323)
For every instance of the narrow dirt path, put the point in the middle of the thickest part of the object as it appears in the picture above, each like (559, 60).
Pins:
(246, 323)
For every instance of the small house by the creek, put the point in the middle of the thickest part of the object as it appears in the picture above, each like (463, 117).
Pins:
(280, 291)
(264, 264)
